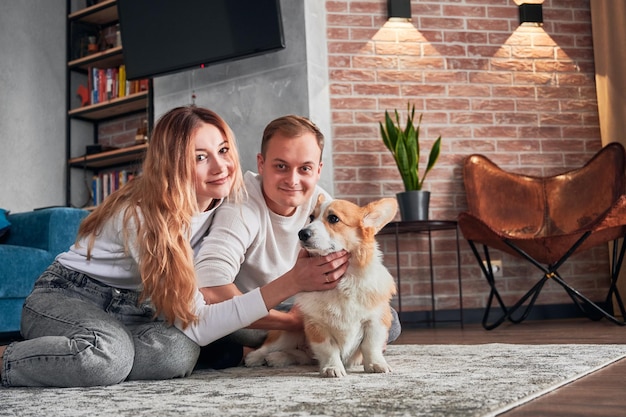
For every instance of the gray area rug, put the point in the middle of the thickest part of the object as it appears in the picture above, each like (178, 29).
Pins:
(427, 380)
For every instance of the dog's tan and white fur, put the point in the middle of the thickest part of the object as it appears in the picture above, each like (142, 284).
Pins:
(349, 324)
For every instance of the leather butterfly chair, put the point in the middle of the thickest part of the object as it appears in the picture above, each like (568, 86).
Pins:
(545, 220)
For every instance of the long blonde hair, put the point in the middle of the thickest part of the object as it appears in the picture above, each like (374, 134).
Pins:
(164, 195)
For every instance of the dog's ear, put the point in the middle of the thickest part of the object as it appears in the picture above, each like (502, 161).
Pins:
(320, 200)
(318, 205)
(379, 213)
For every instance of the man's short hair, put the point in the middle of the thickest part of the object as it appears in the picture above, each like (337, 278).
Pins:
(291, 126)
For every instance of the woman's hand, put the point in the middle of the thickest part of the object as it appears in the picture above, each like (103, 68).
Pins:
(297, 319)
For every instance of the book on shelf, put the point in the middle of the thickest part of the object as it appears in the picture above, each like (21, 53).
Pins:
(105, 183)
(106, 84)
(121, 82)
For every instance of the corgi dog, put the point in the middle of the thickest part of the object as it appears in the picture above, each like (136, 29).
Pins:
(348, 325)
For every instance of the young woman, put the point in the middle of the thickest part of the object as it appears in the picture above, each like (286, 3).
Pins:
(123, 302)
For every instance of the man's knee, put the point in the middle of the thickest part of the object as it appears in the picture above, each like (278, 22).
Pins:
(396, 327)
(248, 337)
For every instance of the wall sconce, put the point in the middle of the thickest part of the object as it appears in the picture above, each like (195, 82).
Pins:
(531, 13)
(399, 8)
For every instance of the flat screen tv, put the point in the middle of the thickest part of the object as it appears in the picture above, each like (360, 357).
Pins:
(165, 36)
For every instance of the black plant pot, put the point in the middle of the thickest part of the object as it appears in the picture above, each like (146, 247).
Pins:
(413, 205)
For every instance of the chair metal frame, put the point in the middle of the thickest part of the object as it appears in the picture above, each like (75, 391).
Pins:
(588, 307)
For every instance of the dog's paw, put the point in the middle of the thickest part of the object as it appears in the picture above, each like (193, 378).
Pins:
(333, 372)
(379, 368)
(255, 358)
(279, 359)
(302, 357)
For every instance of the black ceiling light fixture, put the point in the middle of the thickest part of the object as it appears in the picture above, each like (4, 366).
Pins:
(399, 9)
(531, 13)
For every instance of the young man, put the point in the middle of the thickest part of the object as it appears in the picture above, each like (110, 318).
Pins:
(253, 243)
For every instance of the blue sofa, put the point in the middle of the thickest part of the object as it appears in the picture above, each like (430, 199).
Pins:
(31, 242)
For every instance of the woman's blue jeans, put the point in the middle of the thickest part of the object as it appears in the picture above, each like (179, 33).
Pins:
(79, 332)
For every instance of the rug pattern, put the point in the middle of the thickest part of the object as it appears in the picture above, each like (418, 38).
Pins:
(427, 380)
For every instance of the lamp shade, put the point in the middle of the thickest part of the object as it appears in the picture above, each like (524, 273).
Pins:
(399, 8)
(530, 13)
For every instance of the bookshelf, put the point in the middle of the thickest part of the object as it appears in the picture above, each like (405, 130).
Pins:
(98, 95)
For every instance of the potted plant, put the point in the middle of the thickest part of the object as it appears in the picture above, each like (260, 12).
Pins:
(403, 143)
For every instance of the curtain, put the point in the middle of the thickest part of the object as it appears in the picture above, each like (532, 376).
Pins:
(608, 23)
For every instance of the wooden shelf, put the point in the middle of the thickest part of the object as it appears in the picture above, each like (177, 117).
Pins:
(112, 57)
(104, 12)
(112, 108)
(110, 158)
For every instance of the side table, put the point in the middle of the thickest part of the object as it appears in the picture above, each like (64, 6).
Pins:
(425, 227)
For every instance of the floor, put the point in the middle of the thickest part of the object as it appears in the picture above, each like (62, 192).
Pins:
(598, 394)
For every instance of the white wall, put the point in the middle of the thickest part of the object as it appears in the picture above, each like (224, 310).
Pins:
(32, 104)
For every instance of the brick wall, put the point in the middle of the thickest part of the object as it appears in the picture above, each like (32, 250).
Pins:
(524, 96)
(120, 132)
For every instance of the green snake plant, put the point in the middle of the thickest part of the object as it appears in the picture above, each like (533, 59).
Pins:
(405, 147)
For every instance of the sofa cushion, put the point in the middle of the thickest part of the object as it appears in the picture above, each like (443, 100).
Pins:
(5, 225)
(52, 229)
(35, 239)
(20, 268)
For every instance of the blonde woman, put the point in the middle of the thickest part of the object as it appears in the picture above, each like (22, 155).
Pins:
(122, 303)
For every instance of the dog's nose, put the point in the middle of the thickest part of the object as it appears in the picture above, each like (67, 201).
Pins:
(304, 234)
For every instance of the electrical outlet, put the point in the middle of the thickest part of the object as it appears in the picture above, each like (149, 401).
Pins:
(496, 267)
